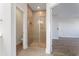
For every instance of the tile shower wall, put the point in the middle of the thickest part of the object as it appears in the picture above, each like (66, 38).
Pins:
(39, 26)
(30, 25)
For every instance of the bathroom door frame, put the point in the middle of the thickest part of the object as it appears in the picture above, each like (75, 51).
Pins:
(24, 28)
(49, 36)
(13, 29)
(49, 27)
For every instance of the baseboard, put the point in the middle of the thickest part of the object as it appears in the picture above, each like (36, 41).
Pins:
(68, 37)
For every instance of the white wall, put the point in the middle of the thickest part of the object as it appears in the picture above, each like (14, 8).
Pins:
(68, 27)
(66, 18)
(55, 32)
(5, 27)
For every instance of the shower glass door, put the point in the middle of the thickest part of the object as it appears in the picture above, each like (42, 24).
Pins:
(39, 32)
(36, 31)
(42, 32)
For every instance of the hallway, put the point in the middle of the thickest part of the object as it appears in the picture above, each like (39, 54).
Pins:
(36, 28)
(33, 50)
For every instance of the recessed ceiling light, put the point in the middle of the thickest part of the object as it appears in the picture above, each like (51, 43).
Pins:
(38, 7)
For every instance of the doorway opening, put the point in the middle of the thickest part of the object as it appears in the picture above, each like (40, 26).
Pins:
(36, 25)
(36, 29)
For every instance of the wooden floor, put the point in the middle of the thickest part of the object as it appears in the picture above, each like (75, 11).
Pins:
(19, 47)
(34, 49)
(61, 47)
(66, 46)
(33, 52)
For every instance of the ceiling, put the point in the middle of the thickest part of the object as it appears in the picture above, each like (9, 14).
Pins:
(66, 10)
(35, 5)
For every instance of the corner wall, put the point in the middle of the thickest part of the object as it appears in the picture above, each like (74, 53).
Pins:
(5, 27)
